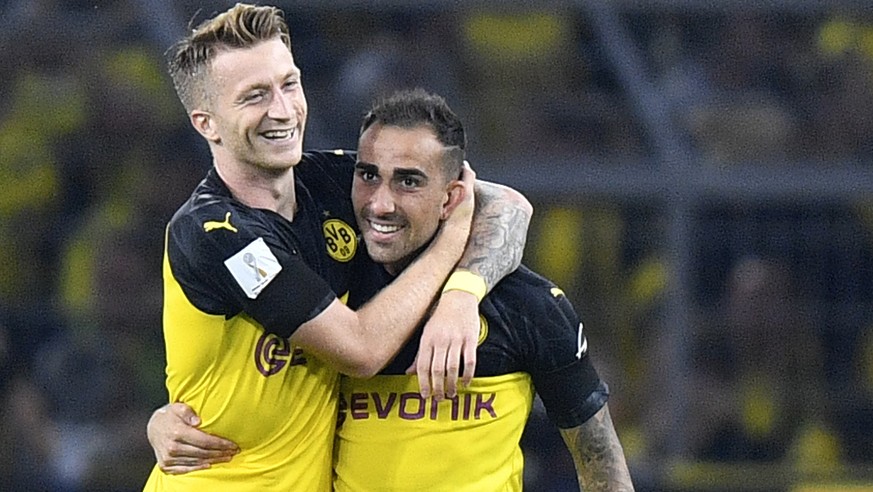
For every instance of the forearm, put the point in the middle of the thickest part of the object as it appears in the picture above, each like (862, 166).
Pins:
(498, 234)
(387, 321)
(598, 455)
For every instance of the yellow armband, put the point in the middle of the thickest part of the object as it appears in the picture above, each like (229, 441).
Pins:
(468, 282)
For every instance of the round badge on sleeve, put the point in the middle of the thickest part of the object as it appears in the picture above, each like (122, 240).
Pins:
(340, 240)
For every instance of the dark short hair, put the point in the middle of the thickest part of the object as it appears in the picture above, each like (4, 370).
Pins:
(417, 107)
(241, 26)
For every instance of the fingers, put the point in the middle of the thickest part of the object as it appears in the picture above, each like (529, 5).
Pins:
(182, 469)
(207, 443)
(196, 444)
(469, 362)
(453, 363)
(185, 435)
(439, 369)
(438, 373)
(189, 449)
(423, 365)
(447, 351)
(469, 175)
(469, 180)
(185, 413)
(180, 466)
(188, 454)
(180, 447)
(413, 368)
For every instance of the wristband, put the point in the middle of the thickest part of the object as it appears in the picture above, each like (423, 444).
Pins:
(467, 281)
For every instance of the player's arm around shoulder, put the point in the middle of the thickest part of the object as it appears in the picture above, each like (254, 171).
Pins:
(498, 234)
(494, 250)
(360, 343)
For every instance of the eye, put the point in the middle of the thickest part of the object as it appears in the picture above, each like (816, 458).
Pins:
(253, 97)
(367, 176)
(410, 182)
(291, 84)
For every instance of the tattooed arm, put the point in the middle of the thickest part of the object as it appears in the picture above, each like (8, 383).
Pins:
(597, 454)
(498, 234)
(494, 250)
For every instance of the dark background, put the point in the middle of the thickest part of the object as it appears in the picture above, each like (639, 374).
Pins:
(701, 174)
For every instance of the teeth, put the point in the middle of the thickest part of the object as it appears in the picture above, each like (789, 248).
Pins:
(278, 134)
(384, 228)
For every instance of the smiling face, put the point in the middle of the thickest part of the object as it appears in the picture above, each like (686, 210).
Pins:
(256, 108)
(400, 192)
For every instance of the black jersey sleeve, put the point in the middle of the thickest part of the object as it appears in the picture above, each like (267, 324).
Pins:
(243, 267)
(563, 375)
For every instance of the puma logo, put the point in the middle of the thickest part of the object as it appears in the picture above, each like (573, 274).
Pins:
(214, 224)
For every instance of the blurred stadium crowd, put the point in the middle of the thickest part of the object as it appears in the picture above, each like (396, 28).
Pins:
(744, 363)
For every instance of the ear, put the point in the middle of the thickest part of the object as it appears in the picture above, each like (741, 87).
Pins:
(454, 196)
(203, 122)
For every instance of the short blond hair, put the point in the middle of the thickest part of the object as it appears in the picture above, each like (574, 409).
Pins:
(241, 26)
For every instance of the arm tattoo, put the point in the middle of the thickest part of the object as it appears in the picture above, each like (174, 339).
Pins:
(597, 454)
(499, 233)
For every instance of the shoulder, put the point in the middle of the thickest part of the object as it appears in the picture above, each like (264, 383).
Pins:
(318, 161)
(213, 228)
(327, 174)
(529, 294)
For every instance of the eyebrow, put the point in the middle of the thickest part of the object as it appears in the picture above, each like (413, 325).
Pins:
(367, 167)
(262, 86)
(405, 172)
(401, 172)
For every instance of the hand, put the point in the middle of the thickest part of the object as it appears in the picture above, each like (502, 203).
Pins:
(450, 335)
(461, 218)
(182, 448)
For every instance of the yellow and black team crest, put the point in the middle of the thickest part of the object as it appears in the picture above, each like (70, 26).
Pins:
(483, 330)
(340, 239)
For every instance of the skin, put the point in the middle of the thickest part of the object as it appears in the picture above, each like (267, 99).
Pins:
(259, 109)
(254, 123)
(400, 195)
(598, 455)
(394, 200)
(395, 203)
(253, 119)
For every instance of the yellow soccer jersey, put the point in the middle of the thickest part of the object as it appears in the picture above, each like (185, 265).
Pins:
(237, 283)
(392, 439)
(389, 439)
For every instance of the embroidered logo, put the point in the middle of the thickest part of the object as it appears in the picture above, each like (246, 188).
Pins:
(212, 225)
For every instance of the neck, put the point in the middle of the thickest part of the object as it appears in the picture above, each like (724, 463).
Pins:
(394, 268)
(261, 188)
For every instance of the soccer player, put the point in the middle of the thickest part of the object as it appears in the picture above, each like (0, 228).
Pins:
(254, 331)
(389, 437)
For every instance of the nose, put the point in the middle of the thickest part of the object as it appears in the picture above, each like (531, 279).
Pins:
(382, 201)
(280, 106)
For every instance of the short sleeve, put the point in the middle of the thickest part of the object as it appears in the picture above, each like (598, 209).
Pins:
(230, 260)
(562, 372)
